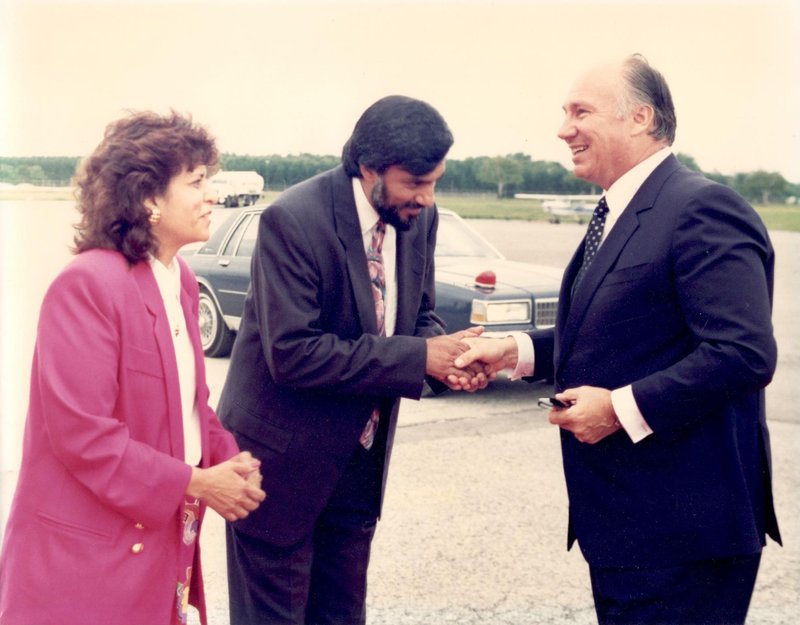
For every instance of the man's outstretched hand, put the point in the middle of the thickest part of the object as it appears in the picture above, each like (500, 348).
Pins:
(494, 354)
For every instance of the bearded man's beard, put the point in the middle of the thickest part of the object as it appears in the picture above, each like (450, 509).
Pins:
(390, 213)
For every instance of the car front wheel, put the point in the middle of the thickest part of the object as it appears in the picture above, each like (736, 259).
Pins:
(215, 336)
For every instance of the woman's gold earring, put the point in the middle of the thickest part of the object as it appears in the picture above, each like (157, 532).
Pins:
(155, 215)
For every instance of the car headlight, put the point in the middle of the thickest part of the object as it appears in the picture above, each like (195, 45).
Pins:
(488, 312)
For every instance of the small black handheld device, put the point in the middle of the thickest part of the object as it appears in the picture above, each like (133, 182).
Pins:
(552, 402)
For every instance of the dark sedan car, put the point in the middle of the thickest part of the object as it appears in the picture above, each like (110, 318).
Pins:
(475, 284)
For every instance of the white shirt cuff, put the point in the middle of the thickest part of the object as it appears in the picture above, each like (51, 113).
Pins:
(629, 415)
(525, 356)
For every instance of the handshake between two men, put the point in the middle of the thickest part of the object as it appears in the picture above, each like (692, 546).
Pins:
(467, 361)
(449, 362)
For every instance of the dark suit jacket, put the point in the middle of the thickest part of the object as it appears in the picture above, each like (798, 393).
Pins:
(307, 367)
(677, 303)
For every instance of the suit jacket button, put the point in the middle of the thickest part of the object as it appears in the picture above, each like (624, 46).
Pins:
(139, 526)
(137, 548)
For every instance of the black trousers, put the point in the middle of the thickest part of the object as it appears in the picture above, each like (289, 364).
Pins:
(708, 592)
(322, 580)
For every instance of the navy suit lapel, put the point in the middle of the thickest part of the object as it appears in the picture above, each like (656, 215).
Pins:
(606, 257)
(571, 315)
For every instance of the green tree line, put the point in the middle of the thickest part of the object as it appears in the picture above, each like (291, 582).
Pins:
(500, 175)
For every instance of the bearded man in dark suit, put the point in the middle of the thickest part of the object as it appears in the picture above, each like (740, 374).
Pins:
(338, 324)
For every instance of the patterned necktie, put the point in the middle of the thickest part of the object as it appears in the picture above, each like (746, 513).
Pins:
(377, 277)
(594, 235)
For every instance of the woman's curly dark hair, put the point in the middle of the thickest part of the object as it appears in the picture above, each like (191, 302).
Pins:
(136, 160)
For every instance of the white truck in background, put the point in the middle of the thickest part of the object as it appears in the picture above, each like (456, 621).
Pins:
(237, 188)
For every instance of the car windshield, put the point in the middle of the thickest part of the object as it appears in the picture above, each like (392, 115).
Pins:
(455, 238)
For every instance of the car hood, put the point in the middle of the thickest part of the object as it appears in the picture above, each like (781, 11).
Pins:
(512, 276)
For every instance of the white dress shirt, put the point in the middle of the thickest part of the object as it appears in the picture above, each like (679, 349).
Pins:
(367, 218)
(618, 196)
(169, 284)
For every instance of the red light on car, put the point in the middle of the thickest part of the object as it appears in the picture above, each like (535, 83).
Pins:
(486, 280)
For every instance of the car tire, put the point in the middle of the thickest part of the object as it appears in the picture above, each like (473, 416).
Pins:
(215, 336)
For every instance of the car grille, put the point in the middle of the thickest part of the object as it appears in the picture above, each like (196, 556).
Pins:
(546, 309)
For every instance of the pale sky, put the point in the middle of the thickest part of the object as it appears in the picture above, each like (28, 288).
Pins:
(284, 77)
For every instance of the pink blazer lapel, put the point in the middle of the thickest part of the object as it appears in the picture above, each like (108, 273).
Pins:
(143, 274)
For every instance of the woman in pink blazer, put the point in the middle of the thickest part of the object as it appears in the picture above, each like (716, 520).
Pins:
(122, 452)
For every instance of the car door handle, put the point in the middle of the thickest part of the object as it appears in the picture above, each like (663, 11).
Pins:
(224, 262)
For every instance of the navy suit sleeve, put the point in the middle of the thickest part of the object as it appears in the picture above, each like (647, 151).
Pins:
(543, 355)
(721, 267)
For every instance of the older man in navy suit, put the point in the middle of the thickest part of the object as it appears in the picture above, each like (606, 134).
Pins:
(660, 355)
